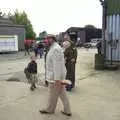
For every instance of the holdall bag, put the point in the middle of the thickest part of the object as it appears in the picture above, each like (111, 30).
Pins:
(27, 74)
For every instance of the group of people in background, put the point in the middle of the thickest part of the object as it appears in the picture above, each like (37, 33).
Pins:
(39, 49)
(31, 45)
(70, 56)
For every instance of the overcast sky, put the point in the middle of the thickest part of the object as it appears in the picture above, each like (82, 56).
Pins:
(56, 16)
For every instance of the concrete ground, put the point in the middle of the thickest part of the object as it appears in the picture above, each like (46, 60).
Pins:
(96, 96)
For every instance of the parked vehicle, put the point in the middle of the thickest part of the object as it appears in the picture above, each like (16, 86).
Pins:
(87, 45)
(94, 42)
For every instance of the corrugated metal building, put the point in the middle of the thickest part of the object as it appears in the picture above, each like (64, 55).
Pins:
(85, 34)
(112, 30)
(76, 32)
(7, 28)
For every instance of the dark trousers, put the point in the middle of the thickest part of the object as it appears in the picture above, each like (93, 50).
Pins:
(35, 50)
(99, 50)
(41, 52)
(27, 50)
(46, 82)
(70, 66)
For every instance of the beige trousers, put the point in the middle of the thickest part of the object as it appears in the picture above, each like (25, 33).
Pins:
(54, 94)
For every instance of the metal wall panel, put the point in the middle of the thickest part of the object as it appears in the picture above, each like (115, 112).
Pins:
(113, 27)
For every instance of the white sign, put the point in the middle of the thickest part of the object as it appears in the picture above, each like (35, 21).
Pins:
(8, 43)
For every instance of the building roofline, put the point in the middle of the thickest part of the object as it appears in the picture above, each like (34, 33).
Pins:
(11, 25)
(71, 29)
(74, 28)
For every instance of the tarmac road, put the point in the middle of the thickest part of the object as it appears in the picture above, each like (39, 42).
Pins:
(96, 96)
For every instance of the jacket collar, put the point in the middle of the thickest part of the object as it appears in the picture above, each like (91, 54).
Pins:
(52, 45)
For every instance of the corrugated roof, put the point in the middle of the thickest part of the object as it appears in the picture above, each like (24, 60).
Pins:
(8, 23)
(5, 20)
(113, 7)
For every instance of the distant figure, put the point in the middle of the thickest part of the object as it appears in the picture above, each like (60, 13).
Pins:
(32, 70)
(35, 50)
(79, 43)
(26, 49)
(27, 45)
(40, 49)
(99, 47)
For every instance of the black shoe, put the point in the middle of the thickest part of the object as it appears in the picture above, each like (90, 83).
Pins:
(46, 84)
(45, 112)
(68, 89)
(32, 88)
(67, 114)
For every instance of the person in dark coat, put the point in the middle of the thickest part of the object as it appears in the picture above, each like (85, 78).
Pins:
(99, 47)
(27, 45)
(35, 50)
(32, 70)
(40, 49)
(70, 54)
(26, 49)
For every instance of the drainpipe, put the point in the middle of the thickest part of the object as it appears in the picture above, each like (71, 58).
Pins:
(103, 3)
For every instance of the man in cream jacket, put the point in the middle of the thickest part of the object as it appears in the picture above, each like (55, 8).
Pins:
(55, 73)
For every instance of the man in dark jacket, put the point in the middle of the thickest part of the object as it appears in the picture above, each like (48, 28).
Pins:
(70, 57)
(99, 47)
(26, 49)
(40, 49)
(70, 54)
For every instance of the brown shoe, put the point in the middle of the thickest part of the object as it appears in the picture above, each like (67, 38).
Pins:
(45, 112)
(67, 114)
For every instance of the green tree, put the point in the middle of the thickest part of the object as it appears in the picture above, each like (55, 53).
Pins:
(22, 19)
(89, 26)
(42, 35)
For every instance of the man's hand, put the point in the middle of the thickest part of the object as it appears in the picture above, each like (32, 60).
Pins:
(58, 83)
(73, 60)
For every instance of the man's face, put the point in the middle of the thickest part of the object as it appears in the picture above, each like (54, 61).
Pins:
(33, 58)
(48, 42)
(65, 37)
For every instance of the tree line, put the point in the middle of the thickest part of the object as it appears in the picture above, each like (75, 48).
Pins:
(21, 18)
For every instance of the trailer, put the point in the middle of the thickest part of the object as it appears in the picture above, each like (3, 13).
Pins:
(8, 43)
